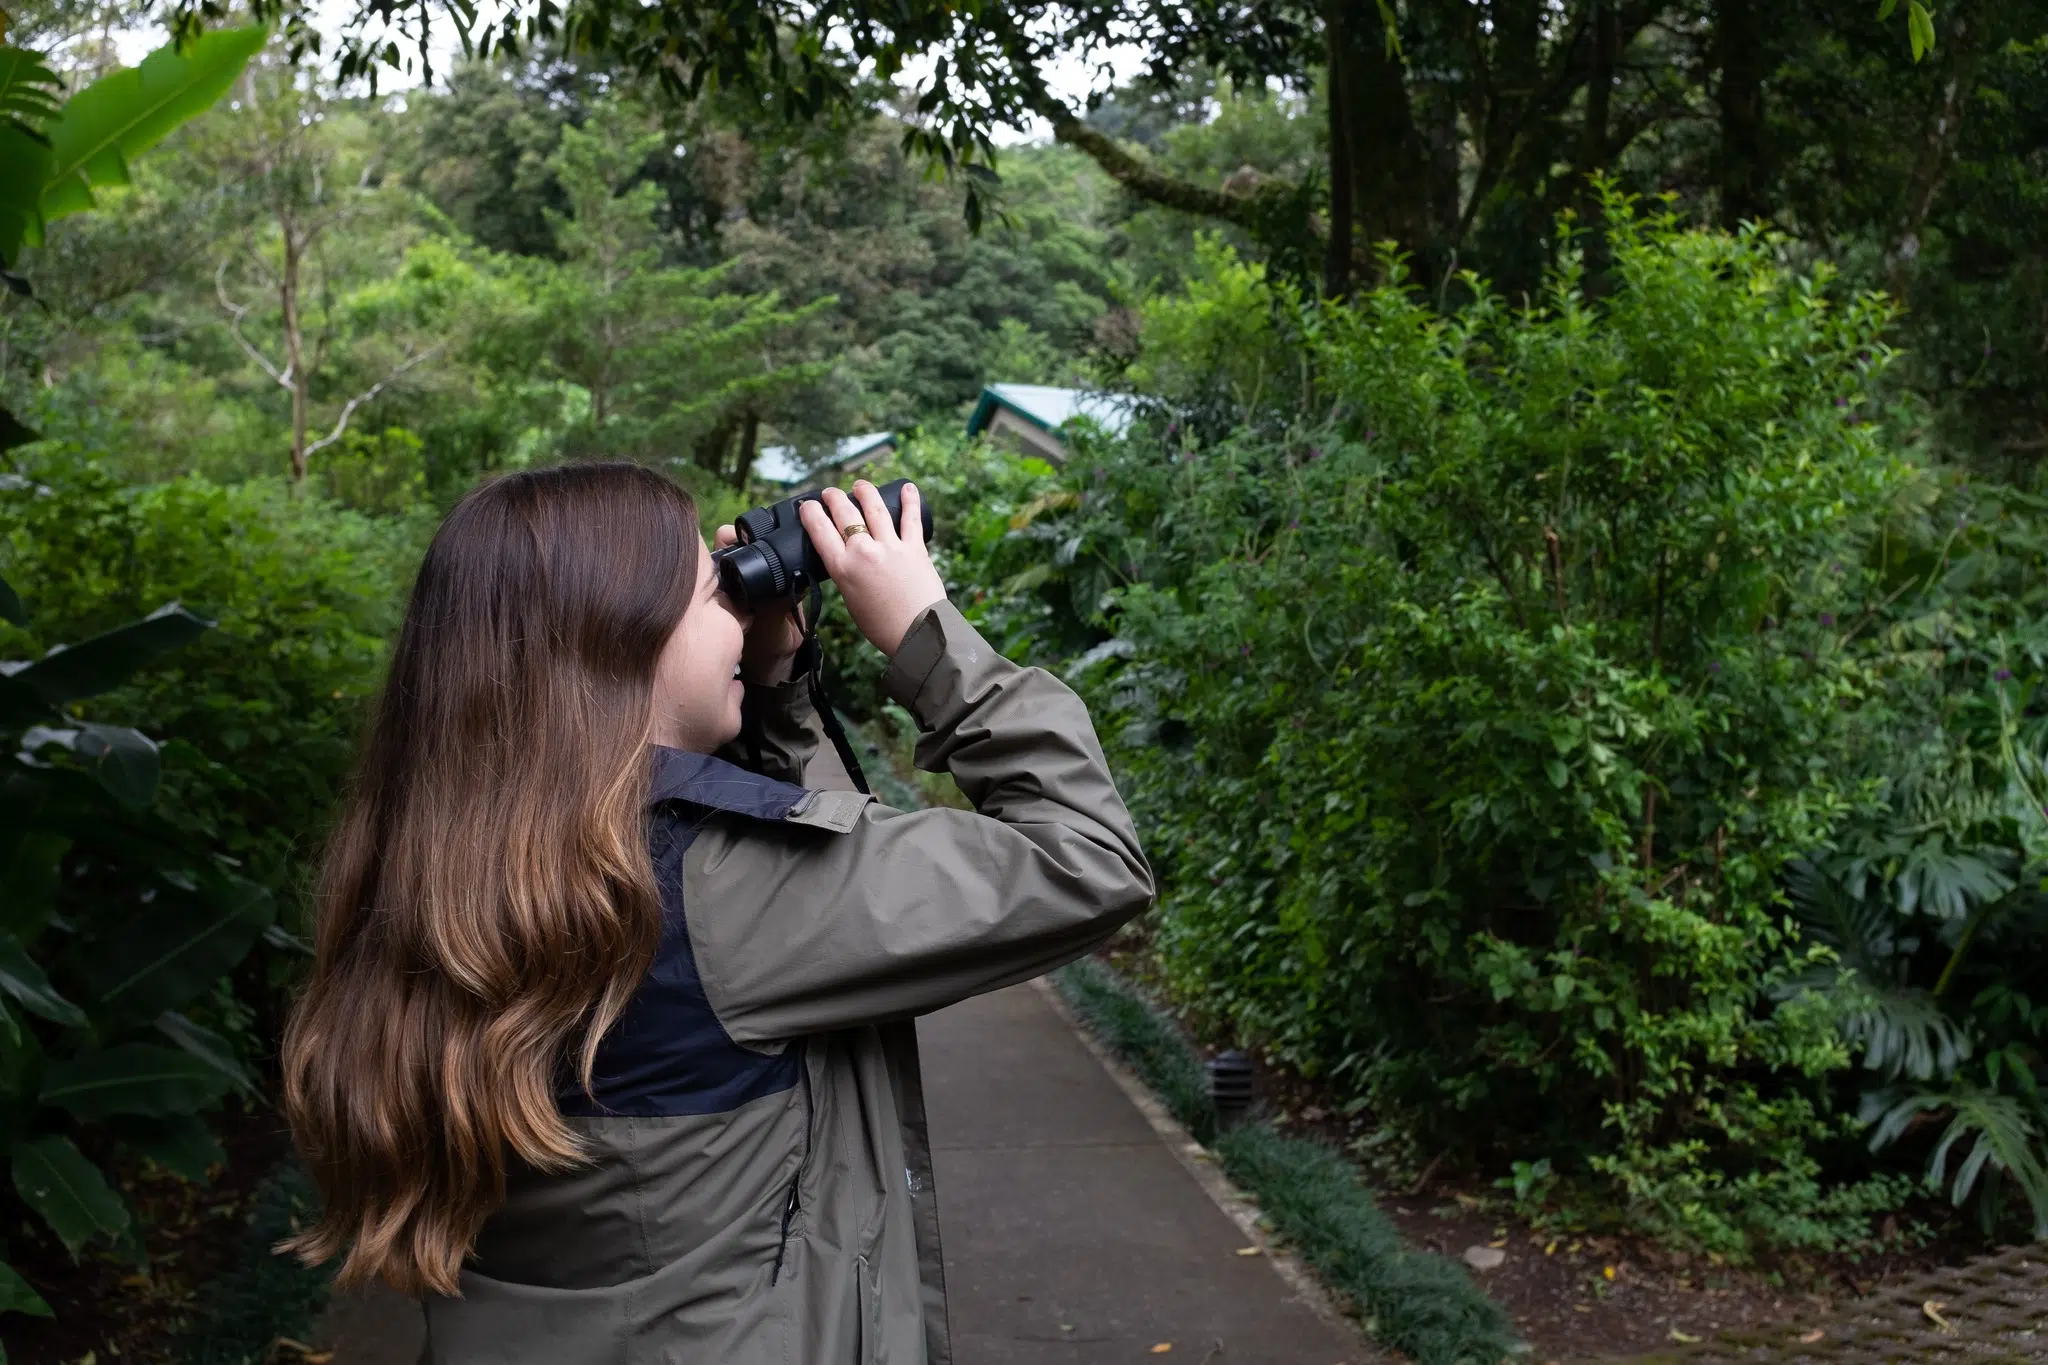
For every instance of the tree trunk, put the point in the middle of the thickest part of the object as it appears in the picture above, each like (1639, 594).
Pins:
(1605, 36)
(713, 446)
(1739, 52)
(294, 346)
(1936, 154)
(1389, 172)
(750, 436)
(1437, 109)
(1337, 252)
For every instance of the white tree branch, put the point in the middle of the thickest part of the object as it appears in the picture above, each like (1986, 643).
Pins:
(348, 409)
(236, 312)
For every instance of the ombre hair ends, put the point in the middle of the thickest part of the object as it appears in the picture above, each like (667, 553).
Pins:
(487, 905)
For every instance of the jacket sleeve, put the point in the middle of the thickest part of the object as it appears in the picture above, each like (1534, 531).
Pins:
(871, 914)
(779, 731)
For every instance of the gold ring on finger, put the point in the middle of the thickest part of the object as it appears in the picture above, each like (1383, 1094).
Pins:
(858, 528)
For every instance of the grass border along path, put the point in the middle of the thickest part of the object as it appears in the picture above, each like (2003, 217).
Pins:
(1416, 1302)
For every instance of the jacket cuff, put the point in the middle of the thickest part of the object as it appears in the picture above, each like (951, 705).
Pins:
(915, 679)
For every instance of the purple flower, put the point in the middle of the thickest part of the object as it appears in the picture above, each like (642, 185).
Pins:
(1295, 524)
(1827, 618)
(1370, 433)
(1315, 452)
(1841, 402)
(1172, 429)
(2004, 675)
(1714, 667)
(1835, 567)
(1245, 650)
(1100, 473)
(1987, 348)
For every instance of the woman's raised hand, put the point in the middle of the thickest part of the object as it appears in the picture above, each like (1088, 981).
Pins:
(885, 573)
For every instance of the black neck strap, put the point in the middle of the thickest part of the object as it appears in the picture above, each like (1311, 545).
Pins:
(811, 659)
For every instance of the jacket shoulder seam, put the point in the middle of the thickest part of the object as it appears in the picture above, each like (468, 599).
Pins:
(837, 811)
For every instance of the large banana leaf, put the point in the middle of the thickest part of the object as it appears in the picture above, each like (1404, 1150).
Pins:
(18, 1295)
(173, 950)
(125, 761)
(108, 660)
(209, 1047)
(24, 982)
(124, 114)
(56, 1180)
(133, 1078)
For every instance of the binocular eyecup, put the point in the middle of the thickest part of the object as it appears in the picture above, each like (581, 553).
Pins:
(774, 560)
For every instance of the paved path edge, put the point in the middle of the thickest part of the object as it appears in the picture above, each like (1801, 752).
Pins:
(1239, 1207)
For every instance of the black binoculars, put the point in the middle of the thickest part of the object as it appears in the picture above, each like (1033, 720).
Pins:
(775, 561)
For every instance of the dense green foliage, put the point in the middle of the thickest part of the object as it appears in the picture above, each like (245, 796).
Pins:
(1577, 710)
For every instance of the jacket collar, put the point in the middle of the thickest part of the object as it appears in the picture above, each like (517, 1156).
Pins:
(703, 780)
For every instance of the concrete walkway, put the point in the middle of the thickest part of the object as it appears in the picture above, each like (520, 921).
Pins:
(1073, 1235)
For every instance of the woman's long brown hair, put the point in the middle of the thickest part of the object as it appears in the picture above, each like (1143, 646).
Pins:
(487, 905)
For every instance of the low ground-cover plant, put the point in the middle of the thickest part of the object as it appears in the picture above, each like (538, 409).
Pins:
(1477, 716)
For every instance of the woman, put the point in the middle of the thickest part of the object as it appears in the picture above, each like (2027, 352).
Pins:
(607, 1053)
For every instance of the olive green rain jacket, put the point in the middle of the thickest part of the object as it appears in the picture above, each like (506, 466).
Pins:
(760, 1187)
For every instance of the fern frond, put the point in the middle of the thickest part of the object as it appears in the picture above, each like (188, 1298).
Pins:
(1987, 1130)
(28, 92)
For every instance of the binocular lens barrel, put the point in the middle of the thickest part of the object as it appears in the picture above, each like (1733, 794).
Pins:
(775, 561)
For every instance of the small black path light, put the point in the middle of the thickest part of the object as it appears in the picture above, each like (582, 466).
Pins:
(1230, 1087)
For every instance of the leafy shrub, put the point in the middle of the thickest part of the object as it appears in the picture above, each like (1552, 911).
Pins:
(113, 923)
(262, 711)
(135, 988)
(1477, 696)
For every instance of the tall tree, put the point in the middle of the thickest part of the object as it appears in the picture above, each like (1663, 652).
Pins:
(299, 183)
(670, 358)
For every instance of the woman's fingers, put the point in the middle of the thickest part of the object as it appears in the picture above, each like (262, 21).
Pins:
(874, 511)
(842, 511)
(913, 516)
(724, 536)
(823, 529)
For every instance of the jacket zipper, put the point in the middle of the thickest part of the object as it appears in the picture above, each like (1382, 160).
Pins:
(795, 1199)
